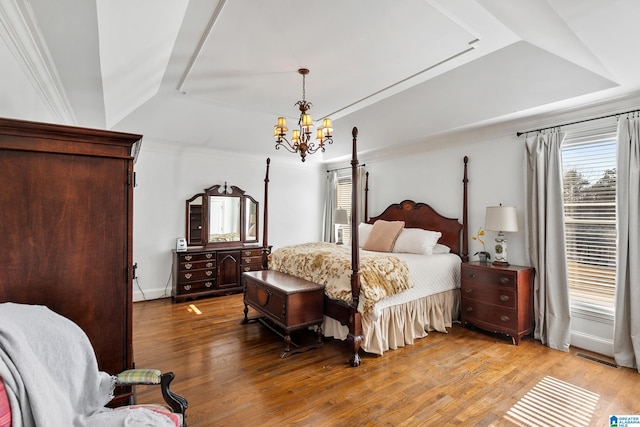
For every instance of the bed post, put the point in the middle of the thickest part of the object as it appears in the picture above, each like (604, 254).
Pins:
(465, 222)
(355, 325)
(265, 223)
(366, 198)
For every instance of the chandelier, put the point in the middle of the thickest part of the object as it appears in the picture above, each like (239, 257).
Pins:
(300, 138)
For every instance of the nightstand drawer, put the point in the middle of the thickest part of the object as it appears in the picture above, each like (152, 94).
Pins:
(496, 295)
(503, 319)
(489, 276)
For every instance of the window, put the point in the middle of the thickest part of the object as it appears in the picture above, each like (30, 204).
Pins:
(589, 188)
(343, 195)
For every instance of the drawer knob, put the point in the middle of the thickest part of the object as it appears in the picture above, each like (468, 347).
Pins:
(504, 280)
(208, 273)
(188, 275)
(209, 264)
(472, 275)
(247, 269)
(504, 318)
(247, 260)
(188, 266)
(208, 284)
(469, 309)
(188, 257)
(468, 290)
(504, 297)
(209, 256)
(187, 287)
(247, 253)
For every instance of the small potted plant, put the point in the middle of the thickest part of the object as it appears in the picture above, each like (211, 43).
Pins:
(483, 254)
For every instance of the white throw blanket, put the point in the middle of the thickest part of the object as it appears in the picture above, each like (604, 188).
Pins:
(51, 374)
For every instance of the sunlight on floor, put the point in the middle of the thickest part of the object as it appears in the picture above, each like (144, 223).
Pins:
(554, 403)
(193, 309)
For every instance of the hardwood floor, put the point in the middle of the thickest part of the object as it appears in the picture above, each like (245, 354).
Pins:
(232, 375)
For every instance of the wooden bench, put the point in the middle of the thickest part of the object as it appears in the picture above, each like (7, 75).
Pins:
(288, 302)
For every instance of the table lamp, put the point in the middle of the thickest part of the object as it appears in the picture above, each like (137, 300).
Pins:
(501, 219)
(340, 217)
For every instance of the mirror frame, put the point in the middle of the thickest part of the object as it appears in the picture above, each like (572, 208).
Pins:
(189, 236)
(223, 191)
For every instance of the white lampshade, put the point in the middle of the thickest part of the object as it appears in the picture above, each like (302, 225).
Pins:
(340, 216)
(501, 218)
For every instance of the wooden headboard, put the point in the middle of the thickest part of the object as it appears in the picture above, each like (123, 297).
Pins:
(421, 215)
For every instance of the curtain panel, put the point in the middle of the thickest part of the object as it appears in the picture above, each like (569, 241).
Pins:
(626, 339)
(544, 217)
(328, 234)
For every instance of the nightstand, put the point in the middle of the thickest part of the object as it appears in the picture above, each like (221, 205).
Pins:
(498, 299)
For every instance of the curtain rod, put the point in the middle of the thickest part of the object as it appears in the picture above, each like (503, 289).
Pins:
(347, 167)
(579, 121)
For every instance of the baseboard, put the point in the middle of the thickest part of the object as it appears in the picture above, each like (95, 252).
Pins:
(592, 343)
(149, 294)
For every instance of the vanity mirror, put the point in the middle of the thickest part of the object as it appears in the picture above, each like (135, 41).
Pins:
(221, 216)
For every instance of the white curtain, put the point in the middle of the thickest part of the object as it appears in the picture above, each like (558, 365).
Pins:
(545, 239)
(328, 233)
(626, 340)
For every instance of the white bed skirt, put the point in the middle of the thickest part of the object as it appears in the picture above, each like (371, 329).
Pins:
(401, 324)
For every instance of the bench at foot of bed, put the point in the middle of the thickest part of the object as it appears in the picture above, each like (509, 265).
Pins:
(286, 303)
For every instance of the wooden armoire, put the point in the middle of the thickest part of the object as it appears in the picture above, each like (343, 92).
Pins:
(66, 197)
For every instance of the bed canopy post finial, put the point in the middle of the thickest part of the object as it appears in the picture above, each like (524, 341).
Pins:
(265, 223)
(355, 333)
(465, 222)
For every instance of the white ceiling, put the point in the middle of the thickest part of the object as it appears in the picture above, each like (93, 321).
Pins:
(218, 73)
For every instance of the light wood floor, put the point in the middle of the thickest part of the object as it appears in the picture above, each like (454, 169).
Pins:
(232, 375)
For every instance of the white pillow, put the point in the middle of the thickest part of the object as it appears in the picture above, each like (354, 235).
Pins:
(416, 241)
(363, 232)
(441, 249)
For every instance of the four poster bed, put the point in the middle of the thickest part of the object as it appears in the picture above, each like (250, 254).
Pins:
(400, 281)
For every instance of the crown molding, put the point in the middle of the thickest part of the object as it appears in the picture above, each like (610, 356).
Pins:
(20, 31)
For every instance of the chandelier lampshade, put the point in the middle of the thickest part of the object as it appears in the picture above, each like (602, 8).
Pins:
(301, 137)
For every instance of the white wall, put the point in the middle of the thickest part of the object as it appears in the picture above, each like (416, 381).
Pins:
(495, 173)
(167, 175)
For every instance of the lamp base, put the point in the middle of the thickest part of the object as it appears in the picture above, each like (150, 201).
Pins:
(500, 263)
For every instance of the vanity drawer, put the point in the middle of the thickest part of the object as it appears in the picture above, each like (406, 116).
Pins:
(193, 287)
(196, 256)
(195, 275)
(198, 265)
(251, 267)
(253, 252)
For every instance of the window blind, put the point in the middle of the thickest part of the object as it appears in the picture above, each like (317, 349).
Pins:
(343, 201)
(589, 193)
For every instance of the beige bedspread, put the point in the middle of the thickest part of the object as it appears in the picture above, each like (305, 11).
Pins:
(381, 275)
